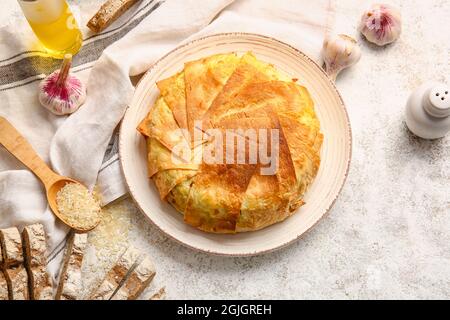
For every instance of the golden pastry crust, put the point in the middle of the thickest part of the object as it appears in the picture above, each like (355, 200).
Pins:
(166, 180)
(173, 90)
(161, 158)
(204, 80)
(226, 92)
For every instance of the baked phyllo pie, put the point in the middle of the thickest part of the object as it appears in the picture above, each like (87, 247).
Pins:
(232, 143)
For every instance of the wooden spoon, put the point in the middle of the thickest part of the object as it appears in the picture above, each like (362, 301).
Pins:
(19, 147)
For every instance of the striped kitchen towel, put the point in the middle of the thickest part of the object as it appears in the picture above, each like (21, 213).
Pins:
(23, 63)
(75, 146)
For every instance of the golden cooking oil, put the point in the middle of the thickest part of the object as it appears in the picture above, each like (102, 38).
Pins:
(54, 25)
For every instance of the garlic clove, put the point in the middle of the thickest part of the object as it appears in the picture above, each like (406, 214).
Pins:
(381, 24)
(62, 92)
(339, 52)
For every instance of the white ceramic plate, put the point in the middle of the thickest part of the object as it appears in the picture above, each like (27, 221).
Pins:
(336, 150)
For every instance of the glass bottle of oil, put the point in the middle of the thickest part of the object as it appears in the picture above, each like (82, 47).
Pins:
(54, 24)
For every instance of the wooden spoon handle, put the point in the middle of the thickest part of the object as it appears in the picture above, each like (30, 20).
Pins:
(19, 147)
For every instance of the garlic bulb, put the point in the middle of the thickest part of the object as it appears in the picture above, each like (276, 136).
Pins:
(339, 52)
(61, 92)
(381, 24)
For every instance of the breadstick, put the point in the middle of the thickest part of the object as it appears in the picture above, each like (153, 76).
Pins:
(108, 13)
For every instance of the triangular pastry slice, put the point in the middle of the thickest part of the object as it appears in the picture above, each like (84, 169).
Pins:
(166, 180)
(179, 195)
(204, 79)
(254, 98)
(160, 158)
(249, 71)
(173, 90)
(161, 125)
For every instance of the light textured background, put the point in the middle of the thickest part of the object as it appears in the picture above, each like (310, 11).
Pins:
(388, 236)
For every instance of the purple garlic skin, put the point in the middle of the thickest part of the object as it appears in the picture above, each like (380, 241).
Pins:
(61, 92)
(61, 100)
(381, 24)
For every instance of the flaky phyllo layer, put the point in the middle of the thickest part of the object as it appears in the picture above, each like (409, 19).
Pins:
(232, 143)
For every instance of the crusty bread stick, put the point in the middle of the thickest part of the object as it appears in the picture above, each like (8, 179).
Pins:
(108, 13)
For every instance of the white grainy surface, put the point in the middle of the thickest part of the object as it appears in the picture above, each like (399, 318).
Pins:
(388, 235)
